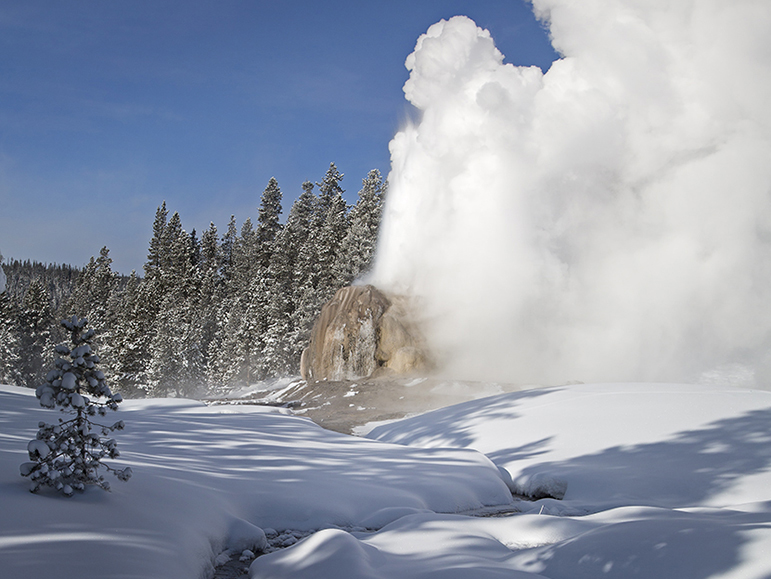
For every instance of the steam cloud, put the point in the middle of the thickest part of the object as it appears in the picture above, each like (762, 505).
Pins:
(607, 220)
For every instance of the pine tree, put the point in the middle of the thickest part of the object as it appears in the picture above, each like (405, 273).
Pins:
(269, 225)
(329, 191)
(253, 326)
(158, 249)
(59, 280)
(153, 287)
(289, 275)
(226, 356)
(306, 267)
(210, 298)
(329, 243)
(176, 366)
(331, 227)
(358, 247)
(195, 248)
(176, 255)
(276, 339)
(67, 456)
(35, 335)
(226, 249)
(131, 339)
(176, 360)
(9, 341)
(92, 297)
(244, 260)
(2, 274)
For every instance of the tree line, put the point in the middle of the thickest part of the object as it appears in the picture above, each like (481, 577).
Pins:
(208, 314)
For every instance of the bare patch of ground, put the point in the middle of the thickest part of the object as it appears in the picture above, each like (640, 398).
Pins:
(348, 406)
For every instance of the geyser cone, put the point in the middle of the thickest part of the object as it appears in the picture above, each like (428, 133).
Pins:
(607, 220)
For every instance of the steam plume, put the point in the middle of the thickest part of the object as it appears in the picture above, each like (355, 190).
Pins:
(607, 220)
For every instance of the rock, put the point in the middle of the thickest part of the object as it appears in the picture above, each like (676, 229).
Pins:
(363, 332)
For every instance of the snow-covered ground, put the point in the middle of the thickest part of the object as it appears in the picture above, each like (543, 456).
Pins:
(658, 481)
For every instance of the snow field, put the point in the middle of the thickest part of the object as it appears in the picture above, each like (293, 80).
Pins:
(207, 479)
(658, 480)
(664, 481)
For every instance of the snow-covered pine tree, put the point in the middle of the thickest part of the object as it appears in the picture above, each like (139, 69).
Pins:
(59, 280)
(209, 264)
(244, 259)
(92, 298)
(176, 361)
(358, 247)
(298, 224)
(9, 340)
(95, 285)
(228, 361)
(227, 247)
(253, 326)
(307, 267)
(276, 346)
(130, 339)
(157, 243)
(35, 332)
(329, 191)
(208, 270)
(251, 288)
(269, 225)
(227, 355)
(282, 344)
(9, 346)
(68, 455)
(195, 248)
(329, 242)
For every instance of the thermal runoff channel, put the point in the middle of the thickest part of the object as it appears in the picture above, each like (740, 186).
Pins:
(609, 219)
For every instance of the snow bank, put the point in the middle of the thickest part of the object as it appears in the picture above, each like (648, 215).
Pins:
(615, 444)
(664, 481)
(622, 543)
(208, 479)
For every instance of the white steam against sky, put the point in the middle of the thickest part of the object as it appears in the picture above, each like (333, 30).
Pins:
(607, 220)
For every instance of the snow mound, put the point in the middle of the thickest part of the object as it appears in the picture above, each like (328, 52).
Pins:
(244, 536)
(540, 486)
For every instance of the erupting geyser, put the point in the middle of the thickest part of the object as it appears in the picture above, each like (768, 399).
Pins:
(607, 220)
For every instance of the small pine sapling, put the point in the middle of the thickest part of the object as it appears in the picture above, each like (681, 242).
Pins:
(67, 456)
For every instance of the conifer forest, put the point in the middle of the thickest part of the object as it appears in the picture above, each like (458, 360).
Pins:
(208, 313)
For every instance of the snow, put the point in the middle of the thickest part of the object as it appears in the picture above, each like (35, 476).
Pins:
(197, 470)
(658, 481)
(657, 445)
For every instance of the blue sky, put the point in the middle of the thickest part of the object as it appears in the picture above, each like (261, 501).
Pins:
(109, 108)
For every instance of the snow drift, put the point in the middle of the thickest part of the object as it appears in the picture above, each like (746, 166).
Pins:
(209, 478)
(664, 481)
(607, 220)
